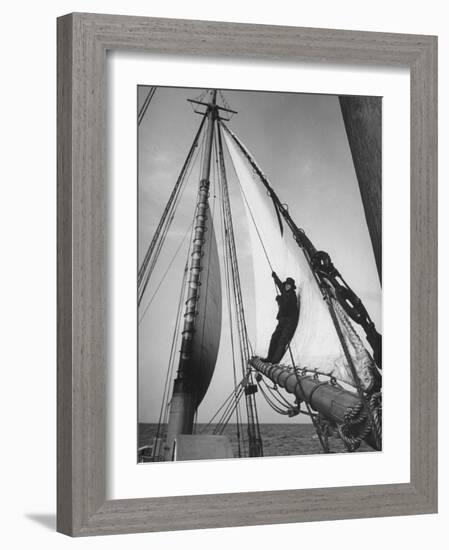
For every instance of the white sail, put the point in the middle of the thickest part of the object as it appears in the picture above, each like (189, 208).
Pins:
(315, 344)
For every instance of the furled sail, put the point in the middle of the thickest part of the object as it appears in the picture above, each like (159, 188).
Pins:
(206, 338)
(315, 344)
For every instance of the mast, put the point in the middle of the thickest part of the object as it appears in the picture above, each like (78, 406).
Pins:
(184, 398)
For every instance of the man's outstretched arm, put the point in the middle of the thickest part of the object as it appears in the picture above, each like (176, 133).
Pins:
(277, 281)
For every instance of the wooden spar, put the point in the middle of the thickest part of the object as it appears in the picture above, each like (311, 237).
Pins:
(331, 401)
(185, 399)
(362, 118)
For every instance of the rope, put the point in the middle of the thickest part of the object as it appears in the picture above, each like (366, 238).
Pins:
(354, 417)
(168, 377)
(351, 365)
(251, 213)
(228, 295)
(145, 105)
(376, 407)
(276, 408)
(224, 404)
(255, 442)
(276, 394)
(166, 272)
(155, 247)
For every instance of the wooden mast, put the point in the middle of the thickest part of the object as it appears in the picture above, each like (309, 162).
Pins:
(184, 398)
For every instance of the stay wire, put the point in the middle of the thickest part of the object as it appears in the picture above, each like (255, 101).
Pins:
(253, 421)
(145, 105)
(170, 361)
(225, 238)
(251, 213)
(165, 272)
(231, 396)
(174, 196)
(149, 265)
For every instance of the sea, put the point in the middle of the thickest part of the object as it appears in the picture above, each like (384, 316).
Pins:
(278, 439)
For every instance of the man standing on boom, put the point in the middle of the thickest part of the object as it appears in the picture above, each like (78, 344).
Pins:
(288, 316)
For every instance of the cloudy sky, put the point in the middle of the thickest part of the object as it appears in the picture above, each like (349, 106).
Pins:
(300, 143)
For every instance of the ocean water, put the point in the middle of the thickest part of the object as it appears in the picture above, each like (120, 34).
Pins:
(278, 439)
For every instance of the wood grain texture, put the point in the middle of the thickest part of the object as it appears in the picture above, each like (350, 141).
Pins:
(83, 40)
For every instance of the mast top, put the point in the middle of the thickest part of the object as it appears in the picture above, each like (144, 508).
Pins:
(212, 106)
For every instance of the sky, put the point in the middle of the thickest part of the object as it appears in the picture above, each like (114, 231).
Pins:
(299, 142)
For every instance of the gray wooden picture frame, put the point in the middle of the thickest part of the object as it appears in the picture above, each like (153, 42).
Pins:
(83, 40)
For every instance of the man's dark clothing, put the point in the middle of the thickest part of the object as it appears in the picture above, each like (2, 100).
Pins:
(288, 305)
(288, 316)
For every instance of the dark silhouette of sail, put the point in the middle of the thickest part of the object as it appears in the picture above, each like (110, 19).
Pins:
(362, 116)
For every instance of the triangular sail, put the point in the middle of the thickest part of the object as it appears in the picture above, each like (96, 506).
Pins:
(315, 344)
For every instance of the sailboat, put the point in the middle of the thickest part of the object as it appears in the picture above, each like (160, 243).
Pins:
(330, 370)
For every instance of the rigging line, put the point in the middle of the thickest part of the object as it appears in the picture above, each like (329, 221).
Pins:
(227, 415)
(145, 105)
(227, 235)
(227, 284)
(167, 385)
(234, 366)
(177, 333)
(253, 420)
(170, 361)
(228, 294)
(279, 408)
(251, 214)
(165, 229)
(186, 169)
(273, 405)
(166, 271)
(243, 336)
(230, 396)
(164, 225)
(276, 394)
(225, 238)
(233, 252)
(229, 406)
(355, 376)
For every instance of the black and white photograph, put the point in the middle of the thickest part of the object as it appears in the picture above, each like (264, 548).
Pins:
(259, 274)
(222, 239)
